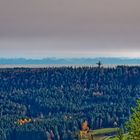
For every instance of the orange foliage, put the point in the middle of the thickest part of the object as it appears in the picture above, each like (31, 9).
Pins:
(23, 121)
(85, 126)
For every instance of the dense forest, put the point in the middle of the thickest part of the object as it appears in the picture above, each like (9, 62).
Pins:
(51, 103)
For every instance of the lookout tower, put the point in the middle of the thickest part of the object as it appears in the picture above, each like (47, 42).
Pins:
(99, 64)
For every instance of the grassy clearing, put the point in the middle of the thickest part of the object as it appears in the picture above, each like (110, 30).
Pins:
(104, 131)
(101, 134)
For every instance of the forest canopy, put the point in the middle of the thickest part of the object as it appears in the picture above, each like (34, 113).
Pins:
(51, 103)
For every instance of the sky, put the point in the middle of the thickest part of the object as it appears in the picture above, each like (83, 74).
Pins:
(69, 28)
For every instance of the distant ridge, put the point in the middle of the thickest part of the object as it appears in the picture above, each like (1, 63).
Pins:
(67, 61)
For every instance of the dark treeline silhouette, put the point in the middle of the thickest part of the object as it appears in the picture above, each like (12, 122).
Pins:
(57, 100)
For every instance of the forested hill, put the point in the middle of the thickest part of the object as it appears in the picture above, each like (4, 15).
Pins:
(51, 103)
(69, 61)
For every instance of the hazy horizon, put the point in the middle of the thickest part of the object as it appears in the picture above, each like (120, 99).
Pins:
(75, 28)
(53, 57)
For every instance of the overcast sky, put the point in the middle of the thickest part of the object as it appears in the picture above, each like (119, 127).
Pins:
(69, 28)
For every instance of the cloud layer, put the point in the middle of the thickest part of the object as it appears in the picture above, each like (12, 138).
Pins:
(69, 28)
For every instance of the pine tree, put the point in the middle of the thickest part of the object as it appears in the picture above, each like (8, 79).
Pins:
(133, 124)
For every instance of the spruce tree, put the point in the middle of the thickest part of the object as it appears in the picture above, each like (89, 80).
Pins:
(133, 124)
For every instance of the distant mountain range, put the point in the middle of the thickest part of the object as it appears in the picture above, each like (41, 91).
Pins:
(67, 61)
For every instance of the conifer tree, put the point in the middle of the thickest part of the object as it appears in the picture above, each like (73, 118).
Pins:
(133, 124)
